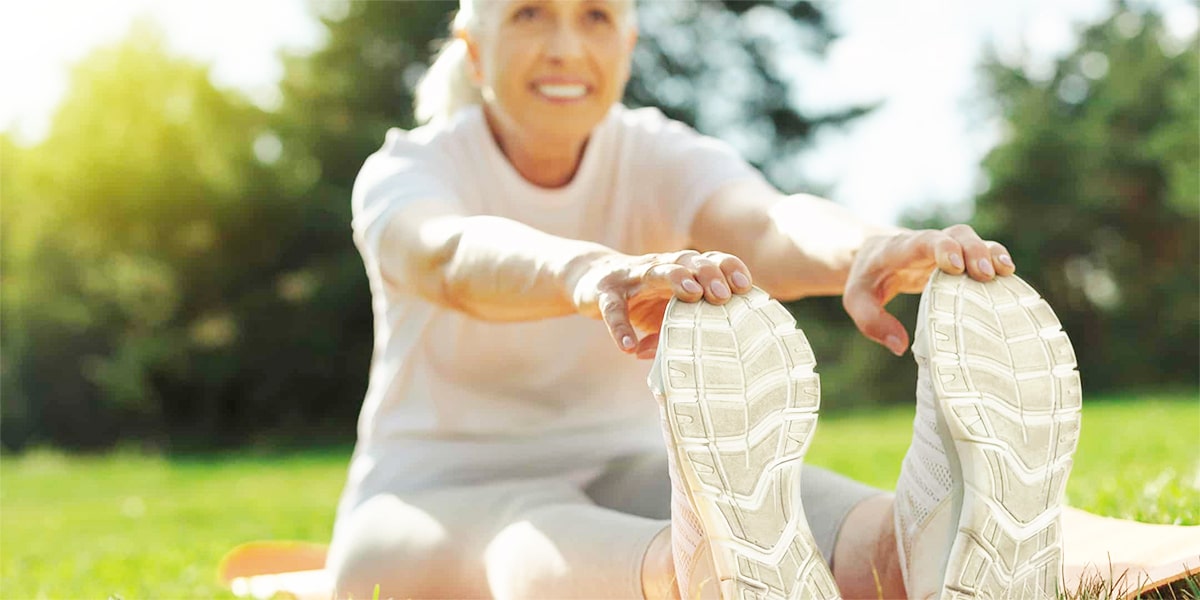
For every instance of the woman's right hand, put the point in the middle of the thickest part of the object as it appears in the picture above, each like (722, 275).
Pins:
(630, 293)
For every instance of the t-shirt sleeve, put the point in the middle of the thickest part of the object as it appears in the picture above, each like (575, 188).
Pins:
(403, 174)
(689, 168)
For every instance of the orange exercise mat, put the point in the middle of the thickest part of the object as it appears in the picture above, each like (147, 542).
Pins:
(1142, 556)
(274, 569)
(1147, 556)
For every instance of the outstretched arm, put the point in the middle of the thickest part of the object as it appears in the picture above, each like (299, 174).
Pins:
(500, 270)
(796, 246)
(488, 267)
(802, 245)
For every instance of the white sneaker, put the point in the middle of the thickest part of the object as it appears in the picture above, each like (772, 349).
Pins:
(739, 400)
(978, 502)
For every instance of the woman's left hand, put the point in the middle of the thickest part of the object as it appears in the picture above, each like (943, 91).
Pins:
(886, 266)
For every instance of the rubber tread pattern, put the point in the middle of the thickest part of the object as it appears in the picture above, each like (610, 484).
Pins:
(1005, 378)
(742, 402)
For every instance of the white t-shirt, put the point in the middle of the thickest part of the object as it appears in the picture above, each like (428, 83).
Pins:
(453, 399)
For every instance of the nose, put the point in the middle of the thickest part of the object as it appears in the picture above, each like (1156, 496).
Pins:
(564, 42)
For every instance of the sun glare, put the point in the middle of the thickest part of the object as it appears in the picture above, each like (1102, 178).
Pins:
(40, 40)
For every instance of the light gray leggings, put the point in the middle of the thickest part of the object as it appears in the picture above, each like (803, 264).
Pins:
(547, 538)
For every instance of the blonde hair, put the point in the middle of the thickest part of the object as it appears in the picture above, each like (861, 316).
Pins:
(446, 87)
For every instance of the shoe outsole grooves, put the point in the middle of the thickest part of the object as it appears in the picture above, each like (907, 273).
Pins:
(1008, 390)
(741, 403)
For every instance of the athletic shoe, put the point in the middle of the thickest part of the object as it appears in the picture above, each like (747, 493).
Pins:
(978, 502)
(739, 402)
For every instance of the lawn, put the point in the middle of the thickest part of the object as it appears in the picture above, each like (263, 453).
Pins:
(138, 526)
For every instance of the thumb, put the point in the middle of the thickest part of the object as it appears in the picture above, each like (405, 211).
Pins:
(875, 322)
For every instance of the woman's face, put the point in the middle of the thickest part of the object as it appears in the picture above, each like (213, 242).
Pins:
(551, 69)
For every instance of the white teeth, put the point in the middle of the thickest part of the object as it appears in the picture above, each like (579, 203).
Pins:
(562, 90)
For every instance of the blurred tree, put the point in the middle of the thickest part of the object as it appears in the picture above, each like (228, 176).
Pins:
(15, 420)
(1095, 193)
(753, 52)
(154, 274)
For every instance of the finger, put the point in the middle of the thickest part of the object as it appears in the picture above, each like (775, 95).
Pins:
(976, 253)
(716, 289)
(930, 247)
(736, 273)
(873, 321)
(648, 346)
(948, 253)
(680, 256)
(676, 278)
(615, 313)
(1002, 259)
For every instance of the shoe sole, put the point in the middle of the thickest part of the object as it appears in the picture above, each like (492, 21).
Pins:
(741, 403)
(1004, 374)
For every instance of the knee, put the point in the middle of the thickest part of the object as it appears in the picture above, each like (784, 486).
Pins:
(521, 561)
(405, 555)
(356, 574)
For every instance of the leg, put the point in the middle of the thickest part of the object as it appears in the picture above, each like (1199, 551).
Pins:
(978, 501)
(638, 485)
(412, 544)
(570, 551)
(1093, 546)
(738, 399)
(1032, 352)
(848, 520)
(866, 564)
(503, 540)
(658, 568)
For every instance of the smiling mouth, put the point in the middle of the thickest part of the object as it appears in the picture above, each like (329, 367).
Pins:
(562, 91)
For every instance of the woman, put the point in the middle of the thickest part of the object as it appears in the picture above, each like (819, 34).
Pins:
(506, 448)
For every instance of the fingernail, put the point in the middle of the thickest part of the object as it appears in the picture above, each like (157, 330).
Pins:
(690, 286)
(628, 343)
(1006, 260)
(957, 261)
(895, 345)
(740, 280)
(985, 265)
(719, 289)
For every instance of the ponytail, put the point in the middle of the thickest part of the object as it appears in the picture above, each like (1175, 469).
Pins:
(446, 87)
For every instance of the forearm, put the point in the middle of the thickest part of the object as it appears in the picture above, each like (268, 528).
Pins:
(494, 268)
(806, 246)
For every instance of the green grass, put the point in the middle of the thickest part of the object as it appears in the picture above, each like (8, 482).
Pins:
(140, 526)
(145, 527)
(1137, 459)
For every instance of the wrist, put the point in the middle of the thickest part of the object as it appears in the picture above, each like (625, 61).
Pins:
(578, 265)
(871, 239)
(885, 232)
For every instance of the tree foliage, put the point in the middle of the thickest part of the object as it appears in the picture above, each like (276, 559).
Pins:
(1095, 193)
(750, 50)
(155, 277)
